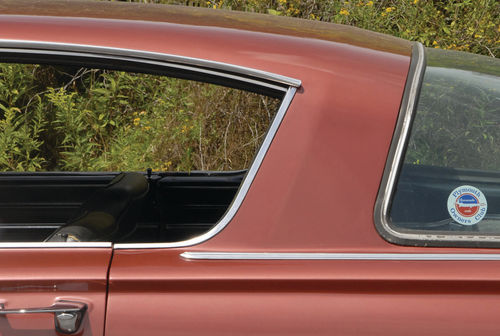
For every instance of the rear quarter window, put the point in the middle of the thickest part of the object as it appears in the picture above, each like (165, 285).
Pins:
(137, 154)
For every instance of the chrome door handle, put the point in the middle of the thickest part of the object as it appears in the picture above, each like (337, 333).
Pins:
(68, 315)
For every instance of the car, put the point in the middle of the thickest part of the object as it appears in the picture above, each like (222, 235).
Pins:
(169, 170)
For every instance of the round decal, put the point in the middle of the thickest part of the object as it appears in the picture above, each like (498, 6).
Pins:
(467, 205)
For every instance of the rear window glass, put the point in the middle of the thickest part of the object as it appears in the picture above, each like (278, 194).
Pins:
(450, 179)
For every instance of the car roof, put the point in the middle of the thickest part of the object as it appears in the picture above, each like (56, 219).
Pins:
(196, 16)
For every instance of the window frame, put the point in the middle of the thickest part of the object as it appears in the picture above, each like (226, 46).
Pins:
(394, 165)
(177, 66)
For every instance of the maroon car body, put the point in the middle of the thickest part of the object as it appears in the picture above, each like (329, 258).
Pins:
(301, 255)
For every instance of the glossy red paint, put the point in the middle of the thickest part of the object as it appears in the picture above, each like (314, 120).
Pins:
(34, 277)
(313, 297)
(330, 149)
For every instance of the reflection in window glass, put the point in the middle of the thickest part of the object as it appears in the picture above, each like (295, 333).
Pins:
(458, 119)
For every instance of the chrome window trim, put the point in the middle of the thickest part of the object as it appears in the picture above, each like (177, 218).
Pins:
(175, 61)
(56, 245)
(253, 76)
(150, 62)
(337, 256)
(393, 167)
(242, 191)
(398, 145)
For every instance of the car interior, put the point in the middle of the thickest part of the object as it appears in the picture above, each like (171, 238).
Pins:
(119, 207)
(419, 203)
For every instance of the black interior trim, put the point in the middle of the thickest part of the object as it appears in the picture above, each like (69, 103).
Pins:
(177, 206)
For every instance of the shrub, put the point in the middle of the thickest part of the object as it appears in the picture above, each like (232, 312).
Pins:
(78, 119)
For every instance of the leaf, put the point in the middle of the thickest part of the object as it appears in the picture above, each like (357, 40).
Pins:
(101, 91)
(273, 12)
(3, 108)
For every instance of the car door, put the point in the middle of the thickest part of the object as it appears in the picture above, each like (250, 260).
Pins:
(53, 288)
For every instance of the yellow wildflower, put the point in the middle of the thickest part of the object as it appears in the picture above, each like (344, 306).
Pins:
(434, 43)
(415, 2)
(369, 3)
(478, 36)
(137, 121)
(344, 11)
(166, 165)
(142, 113)
(389, 9)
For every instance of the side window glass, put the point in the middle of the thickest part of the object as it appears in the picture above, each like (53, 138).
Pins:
(106, 155)
(449, 182)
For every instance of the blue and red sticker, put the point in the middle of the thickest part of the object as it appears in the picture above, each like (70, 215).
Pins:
(467, 205)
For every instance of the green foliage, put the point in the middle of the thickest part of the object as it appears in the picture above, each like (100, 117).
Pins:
(77, 119)
(19, 133)
(466, 25)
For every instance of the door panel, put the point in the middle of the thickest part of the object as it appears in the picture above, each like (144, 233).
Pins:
(174, 296)
(38, 277)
